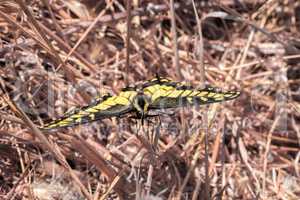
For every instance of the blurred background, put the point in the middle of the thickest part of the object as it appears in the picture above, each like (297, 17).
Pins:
(57, 55)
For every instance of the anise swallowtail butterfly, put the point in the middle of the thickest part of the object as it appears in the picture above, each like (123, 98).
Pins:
(158, 93)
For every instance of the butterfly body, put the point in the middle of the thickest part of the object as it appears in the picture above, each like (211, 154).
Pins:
(138, 100)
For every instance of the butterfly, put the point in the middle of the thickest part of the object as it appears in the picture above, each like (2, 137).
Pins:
(138, 100)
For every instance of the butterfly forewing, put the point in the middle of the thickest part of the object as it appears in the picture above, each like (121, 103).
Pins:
(170, 94)
(104, 108)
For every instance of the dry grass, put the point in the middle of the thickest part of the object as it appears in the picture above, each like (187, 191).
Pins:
(57, 54)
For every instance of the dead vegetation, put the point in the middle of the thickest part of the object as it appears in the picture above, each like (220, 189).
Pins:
(58, 54)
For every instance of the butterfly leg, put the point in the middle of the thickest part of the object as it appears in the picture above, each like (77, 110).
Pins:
(156, 135)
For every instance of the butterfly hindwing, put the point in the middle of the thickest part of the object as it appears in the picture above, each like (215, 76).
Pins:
(109, 106)
(158, 86)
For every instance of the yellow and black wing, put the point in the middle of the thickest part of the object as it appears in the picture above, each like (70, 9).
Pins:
(167, 94)
(107, 106)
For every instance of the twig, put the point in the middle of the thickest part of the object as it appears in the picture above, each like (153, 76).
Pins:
(174, 37)
(128, 20)
(199, 48)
